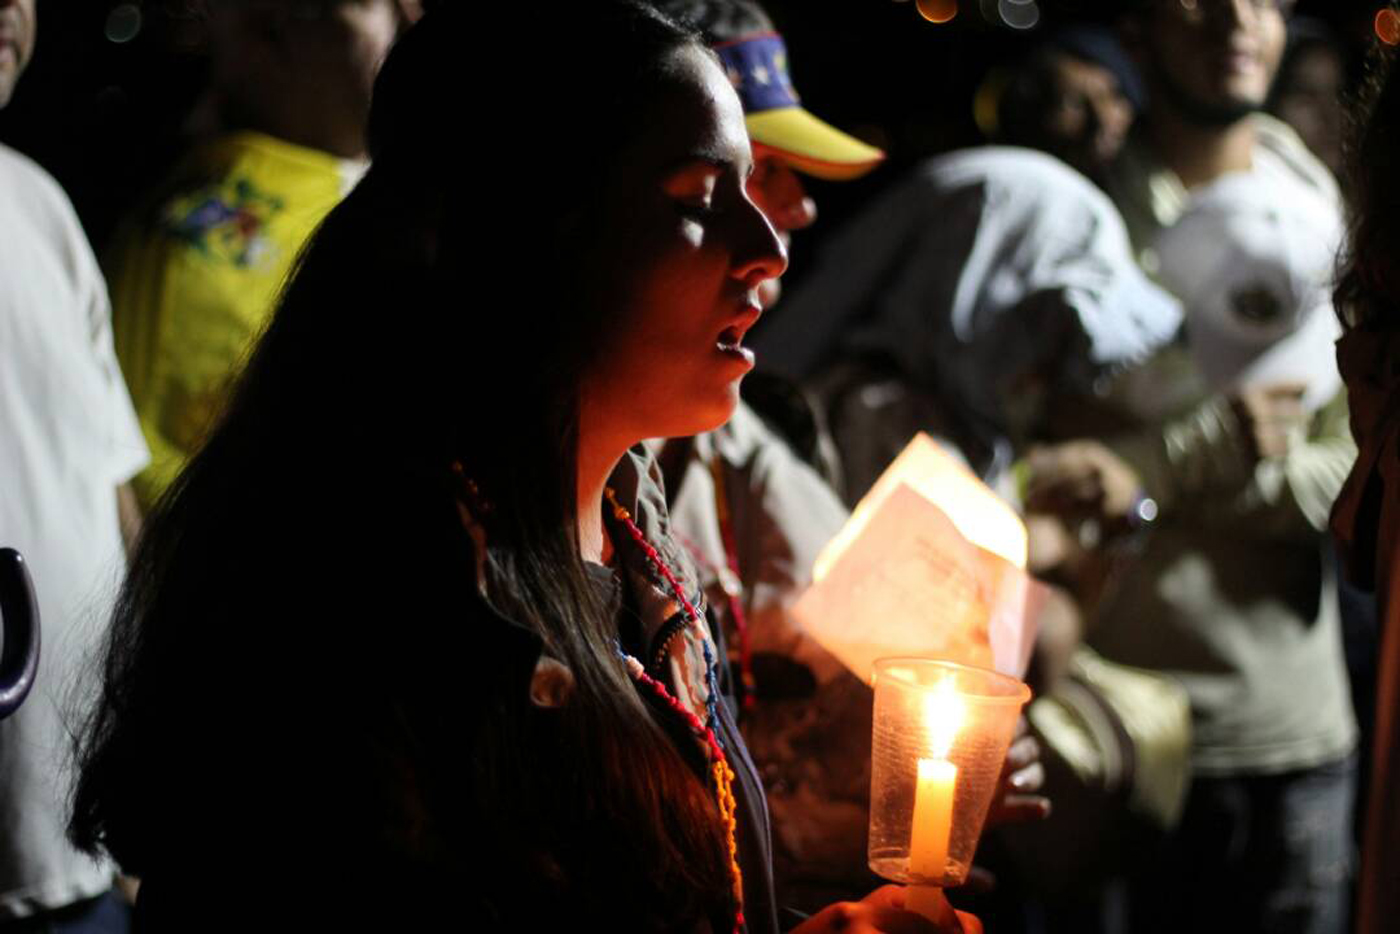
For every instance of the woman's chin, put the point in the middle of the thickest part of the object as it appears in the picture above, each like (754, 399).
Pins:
(714, 414)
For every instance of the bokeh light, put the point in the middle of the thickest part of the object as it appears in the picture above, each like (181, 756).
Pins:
(937, 11)
(123, 23)
(1019, 14)
(1388, 26)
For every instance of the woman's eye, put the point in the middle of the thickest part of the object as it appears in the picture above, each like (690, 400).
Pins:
(694, 191)
(696, 207)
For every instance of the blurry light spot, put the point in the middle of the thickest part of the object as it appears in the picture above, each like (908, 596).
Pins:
(986, 102)
(1388, 27)
(123, 22)
(1019, 15)
(937, 11)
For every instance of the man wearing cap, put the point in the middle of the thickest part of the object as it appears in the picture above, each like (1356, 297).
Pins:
(1233, 593)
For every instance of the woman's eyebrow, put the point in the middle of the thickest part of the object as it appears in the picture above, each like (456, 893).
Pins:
(716, 161)
(698, 160)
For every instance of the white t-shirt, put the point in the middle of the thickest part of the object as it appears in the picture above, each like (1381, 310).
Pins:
(68, 439)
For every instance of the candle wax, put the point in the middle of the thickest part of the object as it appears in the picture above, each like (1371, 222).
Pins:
(933, 819)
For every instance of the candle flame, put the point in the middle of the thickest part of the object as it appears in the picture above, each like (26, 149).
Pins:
(944, 712)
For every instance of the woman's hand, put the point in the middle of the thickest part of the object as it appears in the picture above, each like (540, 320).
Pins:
(883, 911)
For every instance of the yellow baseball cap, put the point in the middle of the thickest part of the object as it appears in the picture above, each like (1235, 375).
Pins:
(757, 67)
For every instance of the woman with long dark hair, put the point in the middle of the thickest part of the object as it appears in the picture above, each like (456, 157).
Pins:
(409, 636)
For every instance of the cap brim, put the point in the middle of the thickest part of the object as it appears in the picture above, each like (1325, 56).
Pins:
(811, 145)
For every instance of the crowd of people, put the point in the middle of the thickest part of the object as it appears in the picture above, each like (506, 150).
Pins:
(416, 535)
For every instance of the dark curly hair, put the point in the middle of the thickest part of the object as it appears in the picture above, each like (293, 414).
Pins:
(719, 20)
(1368, 281)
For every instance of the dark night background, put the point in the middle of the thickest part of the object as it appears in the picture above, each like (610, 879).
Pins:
(114, 84)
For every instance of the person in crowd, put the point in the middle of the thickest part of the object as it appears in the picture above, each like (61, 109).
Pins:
(1307, 94)
(1074, 96)
(194, 272)
(410, 637)
(1364, 517)
(69, 444)
(1208, 65)
(1235, 437)
(754, 513)
(986, 283)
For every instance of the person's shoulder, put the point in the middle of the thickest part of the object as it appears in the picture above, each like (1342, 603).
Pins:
(32, 190)
(34, 202)
(1010, 164)
(17, 168)
(1280, 151)
(1025, 186)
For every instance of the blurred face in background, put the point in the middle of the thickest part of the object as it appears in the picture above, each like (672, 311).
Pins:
(1214, 60)
(1089, 116)
(347, 41)
(303, 70)
(1308, 97)
(16, 43)
(779, 193)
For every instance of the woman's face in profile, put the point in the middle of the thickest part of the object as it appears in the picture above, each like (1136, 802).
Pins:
(677, 260)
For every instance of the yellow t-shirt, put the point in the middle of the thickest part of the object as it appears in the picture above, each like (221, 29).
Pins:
(194, 279)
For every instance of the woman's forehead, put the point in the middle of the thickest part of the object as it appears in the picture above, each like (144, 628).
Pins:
(695, 113)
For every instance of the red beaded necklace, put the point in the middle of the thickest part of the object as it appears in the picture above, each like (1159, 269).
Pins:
(720, 770)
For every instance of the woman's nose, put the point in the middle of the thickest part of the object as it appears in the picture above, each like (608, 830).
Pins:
(762, 254)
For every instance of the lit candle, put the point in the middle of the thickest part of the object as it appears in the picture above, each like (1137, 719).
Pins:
(938, 778)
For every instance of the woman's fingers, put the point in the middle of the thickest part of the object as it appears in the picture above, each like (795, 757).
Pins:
(886, 896)
(882, 912)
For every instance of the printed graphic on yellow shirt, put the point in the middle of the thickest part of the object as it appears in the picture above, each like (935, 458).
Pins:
(226, 222)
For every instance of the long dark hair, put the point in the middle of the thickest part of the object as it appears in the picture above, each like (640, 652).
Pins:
(1368, 282)
(300, 642)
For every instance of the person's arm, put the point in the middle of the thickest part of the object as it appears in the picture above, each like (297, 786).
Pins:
(1254, 463)
(126, 451)
(1256, 458)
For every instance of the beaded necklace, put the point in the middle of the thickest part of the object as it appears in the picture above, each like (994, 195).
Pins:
(720, 770)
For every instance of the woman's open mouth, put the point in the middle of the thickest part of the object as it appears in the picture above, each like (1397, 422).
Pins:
(730, 342)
